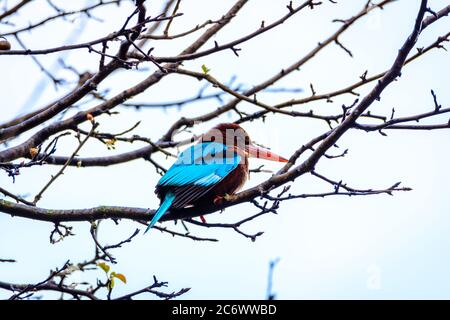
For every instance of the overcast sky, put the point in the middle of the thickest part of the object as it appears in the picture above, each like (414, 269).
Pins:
(367, 247)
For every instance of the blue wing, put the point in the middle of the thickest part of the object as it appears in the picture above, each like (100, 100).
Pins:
(198, 169)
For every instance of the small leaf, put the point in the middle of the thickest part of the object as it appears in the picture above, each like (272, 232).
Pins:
(205, 69)
(104, 266)
(110, 143)
(111, 283)
(33, 152)
(121, 277)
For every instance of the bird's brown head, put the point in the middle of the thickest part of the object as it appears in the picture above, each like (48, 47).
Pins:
(234, 136)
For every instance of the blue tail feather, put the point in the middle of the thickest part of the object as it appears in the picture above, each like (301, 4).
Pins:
(165, 205)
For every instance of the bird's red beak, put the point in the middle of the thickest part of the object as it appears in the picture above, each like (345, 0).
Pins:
(263, 153)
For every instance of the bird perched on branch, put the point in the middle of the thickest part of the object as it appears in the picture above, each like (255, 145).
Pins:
(209, 171)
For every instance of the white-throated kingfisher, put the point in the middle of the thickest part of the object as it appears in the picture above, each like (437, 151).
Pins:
(208, 171)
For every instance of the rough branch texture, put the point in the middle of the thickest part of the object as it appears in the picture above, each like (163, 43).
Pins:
(32, 139)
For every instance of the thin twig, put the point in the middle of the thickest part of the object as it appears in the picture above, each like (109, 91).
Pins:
(61, 171)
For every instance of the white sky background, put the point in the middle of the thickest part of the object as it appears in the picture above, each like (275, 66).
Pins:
(366, 247)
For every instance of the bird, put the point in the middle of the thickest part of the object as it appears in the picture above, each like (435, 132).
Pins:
(210, 170)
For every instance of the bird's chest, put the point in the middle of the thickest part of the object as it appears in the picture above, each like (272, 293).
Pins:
(233, 182)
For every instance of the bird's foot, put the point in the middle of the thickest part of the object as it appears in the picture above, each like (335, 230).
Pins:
(220, 199)
(202, 218)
